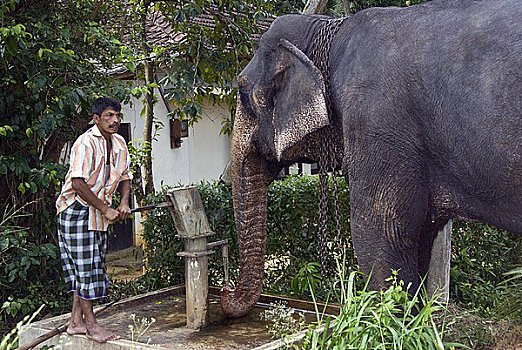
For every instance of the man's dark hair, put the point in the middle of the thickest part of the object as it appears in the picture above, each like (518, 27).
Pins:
(102, 103)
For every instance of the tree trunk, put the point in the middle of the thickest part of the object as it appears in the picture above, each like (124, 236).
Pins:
(147, 131)
(137, 187)
(346, 4)
(146, 179)
(314, 7)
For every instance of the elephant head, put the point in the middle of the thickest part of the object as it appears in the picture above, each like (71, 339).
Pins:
(281, 102)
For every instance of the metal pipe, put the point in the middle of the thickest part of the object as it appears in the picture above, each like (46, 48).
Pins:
(225, 262)
(224, 253)
(215, 244)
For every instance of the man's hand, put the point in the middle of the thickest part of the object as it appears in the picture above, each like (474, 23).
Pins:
(85, 192)
(123, 208)
(111, 214)
(124, 211)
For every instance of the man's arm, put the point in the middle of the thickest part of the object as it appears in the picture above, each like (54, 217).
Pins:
(81, 188)
(124, 209)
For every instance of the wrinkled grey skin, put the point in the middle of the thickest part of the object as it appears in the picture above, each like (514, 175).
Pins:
(427, 109)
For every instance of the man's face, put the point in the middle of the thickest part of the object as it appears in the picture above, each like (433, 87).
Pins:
(108, 122)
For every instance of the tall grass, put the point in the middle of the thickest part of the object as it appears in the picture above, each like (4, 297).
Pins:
(511, 306)
(386, 319)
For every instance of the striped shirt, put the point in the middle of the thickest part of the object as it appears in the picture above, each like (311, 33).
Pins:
(88, 161)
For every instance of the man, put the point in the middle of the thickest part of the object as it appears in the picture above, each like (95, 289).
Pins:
(99, 165)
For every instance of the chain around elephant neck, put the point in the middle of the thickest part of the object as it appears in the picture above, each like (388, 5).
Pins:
(327, 159)
(321, 52)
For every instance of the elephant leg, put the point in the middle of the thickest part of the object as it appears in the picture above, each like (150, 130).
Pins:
(389, 223)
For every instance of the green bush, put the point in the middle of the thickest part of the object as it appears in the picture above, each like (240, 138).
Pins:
(46, 91)
(511, 305)
(292, 230)
(161, 246)
(481, 256)
(29, 272)
(10, 340)
(359, 5)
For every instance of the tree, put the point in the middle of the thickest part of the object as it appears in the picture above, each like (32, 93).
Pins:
(209, 58)
(53, 55)
(215, 41)
(339, 8)
(358, 5)
(314, 7)
(143, 180)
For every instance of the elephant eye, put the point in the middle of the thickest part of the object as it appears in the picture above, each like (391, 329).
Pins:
(279, 77)
(278, 82)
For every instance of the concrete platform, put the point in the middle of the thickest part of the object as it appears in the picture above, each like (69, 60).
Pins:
(167, 306)
(125, 265)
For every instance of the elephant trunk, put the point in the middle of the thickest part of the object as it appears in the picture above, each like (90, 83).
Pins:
(250, 180)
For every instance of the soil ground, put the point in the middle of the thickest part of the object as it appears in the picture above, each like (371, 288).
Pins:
(465, 327)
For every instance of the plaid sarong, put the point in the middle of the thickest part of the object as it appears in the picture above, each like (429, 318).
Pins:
(83, 253)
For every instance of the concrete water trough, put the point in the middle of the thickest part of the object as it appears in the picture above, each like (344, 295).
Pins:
(167, 307)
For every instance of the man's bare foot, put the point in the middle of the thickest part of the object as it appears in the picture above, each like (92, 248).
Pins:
(78, 328)
(100, 335)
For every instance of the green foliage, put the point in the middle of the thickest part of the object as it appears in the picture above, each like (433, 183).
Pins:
(358, 5)
(335, 8)
(387, 319)
(49, 53)
(292, 229)
(203, 63)
(511, 305)
(29, 272)
(161, 246)
(52, 58)
(288, 6)
(481, 255)
(217, 201)
(208, 60)
(308, 278)
(478, 333)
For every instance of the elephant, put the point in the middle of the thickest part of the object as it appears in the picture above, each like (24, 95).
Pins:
(423, 107)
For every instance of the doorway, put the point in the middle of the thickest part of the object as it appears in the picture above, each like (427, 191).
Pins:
(122, 235)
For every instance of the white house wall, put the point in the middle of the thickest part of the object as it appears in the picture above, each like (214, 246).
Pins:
(203, 155)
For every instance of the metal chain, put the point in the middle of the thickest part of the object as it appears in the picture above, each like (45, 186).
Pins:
(323, 212)
(337, 209)
(327, 160)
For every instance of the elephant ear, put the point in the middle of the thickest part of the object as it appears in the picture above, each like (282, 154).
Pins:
(299, 103)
